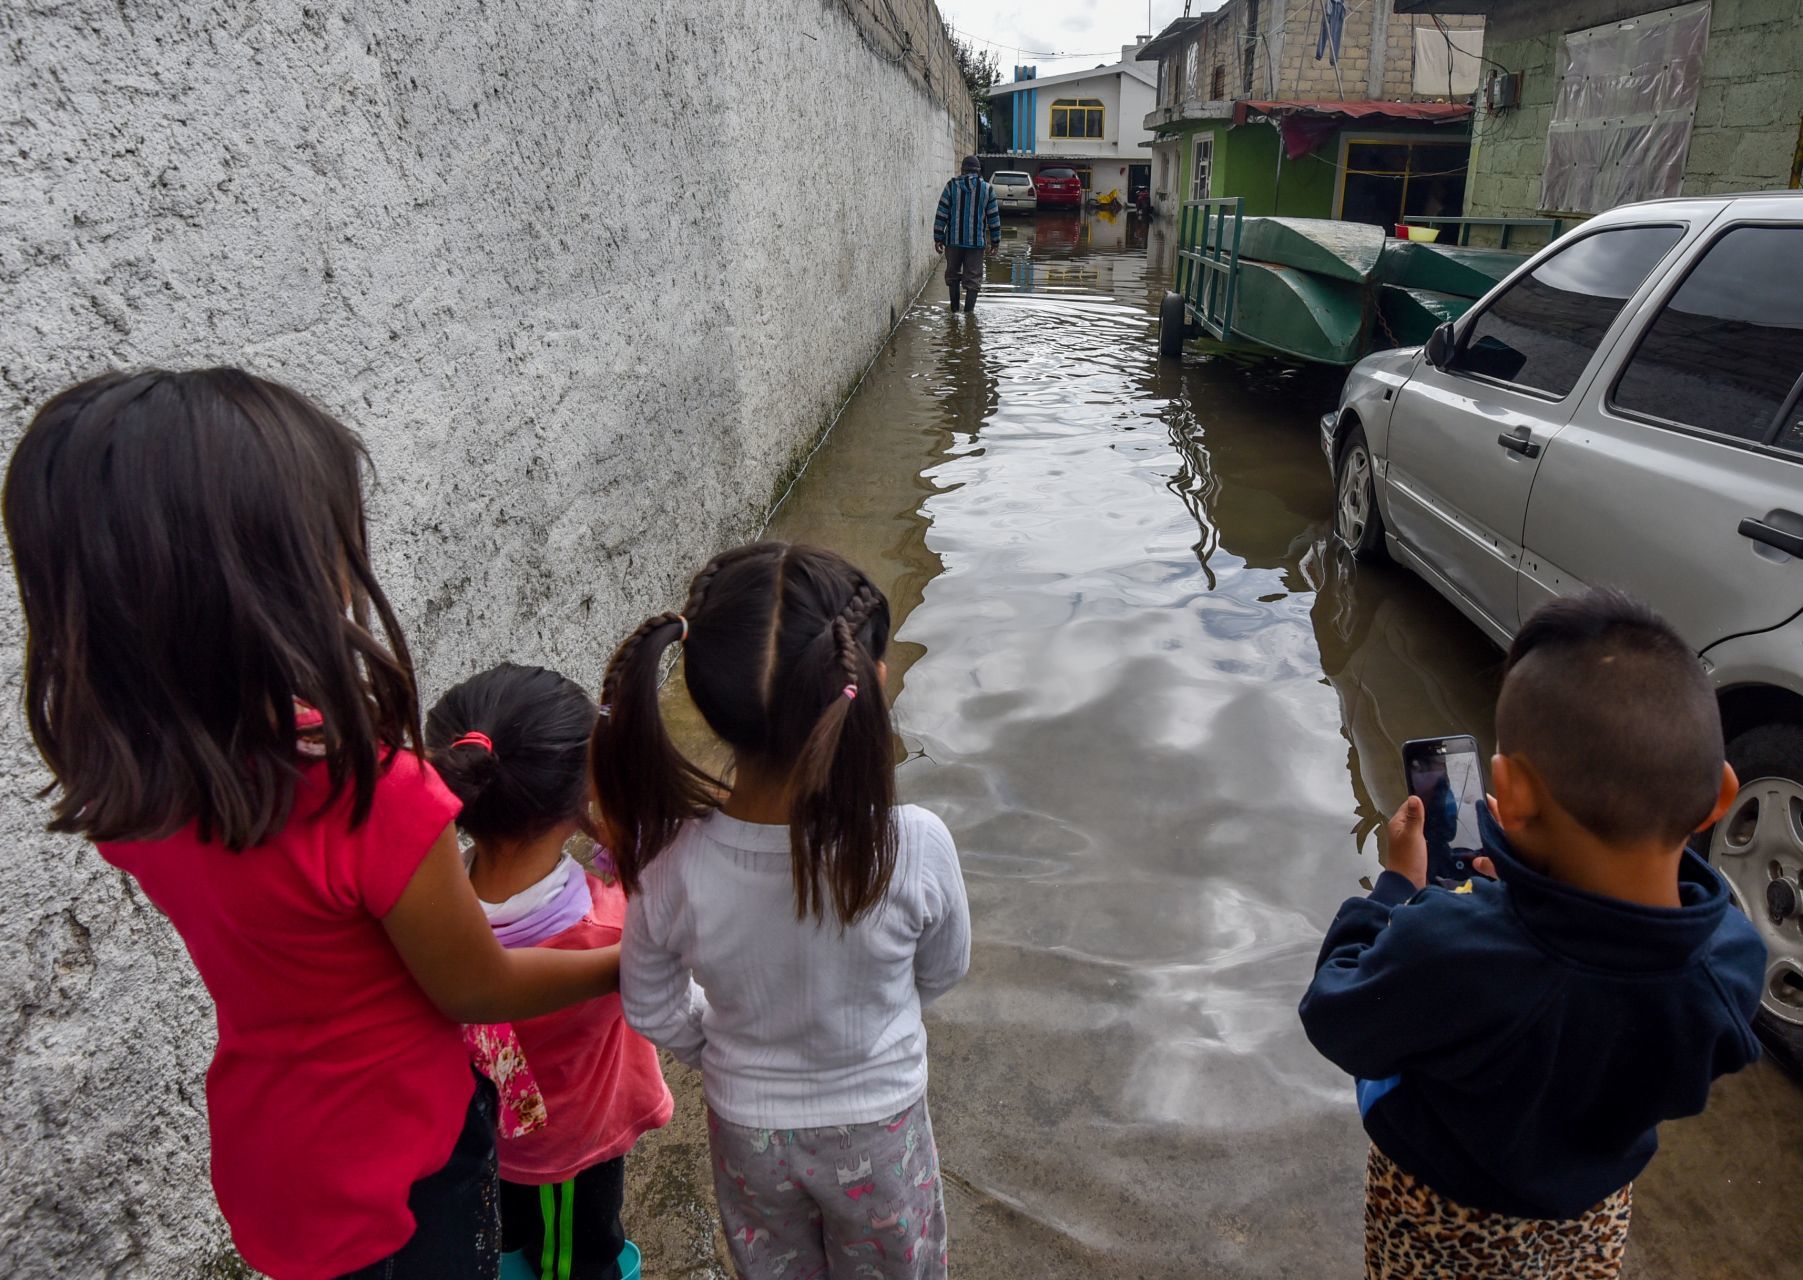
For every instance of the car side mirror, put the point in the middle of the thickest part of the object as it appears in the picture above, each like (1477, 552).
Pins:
(1439, 346)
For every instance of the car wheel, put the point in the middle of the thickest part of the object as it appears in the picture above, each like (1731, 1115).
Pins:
(1356, 521)
(1758, 848)
(1172, 322)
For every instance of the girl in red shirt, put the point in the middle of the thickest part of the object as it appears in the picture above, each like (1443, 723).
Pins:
(225, 700)
(512, 744)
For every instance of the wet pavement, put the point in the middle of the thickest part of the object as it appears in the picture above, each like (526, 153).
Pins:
(1162, 716)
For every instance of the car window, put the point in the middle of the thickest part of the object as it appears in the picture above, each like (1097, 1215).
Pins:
(1790, 435)
(1057, 173)
(1011, 179)
(1545, 327)
(1725, 352)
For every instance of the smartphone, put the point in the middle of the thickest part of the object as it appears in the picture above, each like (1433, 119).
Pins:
(1448, 774)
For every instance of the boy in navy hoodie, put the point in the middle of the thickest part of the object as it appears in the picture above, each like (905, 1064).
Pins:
(1518, 1040)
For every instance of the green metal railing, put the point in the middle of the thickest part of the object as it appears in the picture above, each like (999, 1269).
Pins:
(1208, 261)
(1552, 228)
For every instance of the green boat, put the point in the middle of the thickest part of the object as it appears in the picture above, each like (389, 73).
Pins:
(1408, 317)
(1445, 268)
(1297, 313)
(1314, 289)
(1338, 250)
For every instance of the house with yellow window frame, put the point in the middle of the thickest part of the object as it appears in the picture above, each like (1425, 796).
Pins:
(1091, 121)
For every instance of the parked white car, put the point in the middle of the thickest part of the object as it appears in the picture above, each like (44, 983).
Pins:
(1624, 410)
(1014, 191)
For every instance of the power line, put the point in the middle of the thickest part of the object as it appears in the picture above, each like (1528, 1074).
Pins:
(1033, 53)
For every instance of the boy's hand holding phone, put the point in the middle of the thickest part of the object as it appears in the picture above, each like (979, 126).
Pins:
(1406, 853)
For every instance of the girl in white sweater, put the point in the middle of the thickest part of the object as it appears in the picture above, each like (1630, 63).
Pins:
(784, 933)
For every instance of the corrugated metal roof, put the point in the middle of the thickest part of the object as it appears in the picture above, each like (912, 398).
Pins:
(1169, 38)
(1442, 112)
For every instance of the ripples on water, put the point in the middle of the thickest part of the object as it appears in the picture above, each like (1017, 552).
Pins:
(1130, 676)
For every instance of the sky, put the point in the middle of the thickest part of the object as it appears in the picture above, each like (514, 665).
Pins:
(1092, 30)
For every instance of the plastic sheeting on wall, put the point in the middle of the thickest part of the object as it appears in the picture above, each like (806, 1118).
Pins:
(1621, 117)
(1447, 62)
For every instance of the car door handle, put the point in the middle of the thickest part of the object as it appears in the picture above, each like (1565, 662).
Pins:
(1519, 444)
(1784, 540)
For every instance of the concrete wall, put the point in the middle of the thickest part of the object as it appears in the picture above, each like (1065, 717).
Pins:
(578, 274)
(1749, 108)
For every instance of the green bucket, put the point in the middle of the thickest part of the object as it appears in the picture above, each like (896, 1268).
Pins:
(515, 1267)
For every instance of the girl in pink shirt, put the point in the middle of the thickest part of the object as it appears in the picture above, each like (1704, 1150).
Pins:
(226, 703)
(512, 744)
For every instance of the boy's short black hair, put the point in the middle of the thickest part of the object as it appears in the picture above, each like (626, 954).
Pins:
(1616, 714)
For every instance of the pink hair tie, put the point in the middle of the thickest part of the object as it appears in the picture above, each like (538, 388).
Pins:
(474, 739)
(851, 691)
(684, 637)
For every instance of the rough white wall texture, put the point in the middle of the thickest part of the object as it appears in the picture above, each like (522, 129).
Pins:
(589, 277)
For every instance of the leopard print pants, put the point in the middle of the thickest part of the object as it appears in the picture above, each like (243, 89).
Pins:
(1412, 1233)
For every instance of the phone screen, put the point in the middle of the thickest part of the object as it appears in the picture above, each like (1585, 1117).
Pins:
(1448, 776)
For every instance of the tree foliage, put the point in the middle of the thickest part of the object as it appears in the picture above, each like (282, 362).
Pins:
(980, 68)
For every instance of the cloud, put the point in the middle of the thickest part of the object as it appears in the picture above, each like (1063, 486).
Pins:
(1085, 31)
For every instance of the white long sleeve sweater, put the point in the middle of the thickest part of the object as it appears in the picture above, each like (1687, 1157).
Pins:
(794, 1024)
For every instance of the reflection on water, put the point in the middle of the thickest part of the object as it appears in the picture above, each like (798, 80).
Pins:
(1133, 677)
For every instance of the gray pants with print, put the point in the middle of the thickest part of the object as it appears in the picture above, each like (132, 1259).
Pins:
(853, 1202)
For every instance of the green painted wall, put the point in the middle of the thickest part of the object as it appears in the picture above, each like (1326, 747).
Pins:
(1749, 107)
(1302, 189)
(1245, 164)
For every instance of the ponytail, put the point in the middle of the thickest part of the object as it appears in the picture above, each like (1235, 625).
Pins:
(645, 788)
(781, 648)
(842, 843)
(467, 769)
(512, 744)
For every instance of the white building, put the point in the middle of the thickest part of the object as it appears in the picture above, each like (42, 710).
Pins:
(1091, 121)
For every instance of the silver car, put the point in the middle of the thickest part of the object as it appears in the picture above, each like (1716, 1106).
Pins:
(1624, 410)
(1014, 191)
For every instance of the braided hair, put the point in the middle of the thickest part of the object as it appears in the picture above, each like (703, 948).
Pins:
(781, 660)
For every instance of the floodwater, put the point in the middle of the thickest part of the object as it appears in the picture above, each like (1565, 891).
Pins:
(1162, 714)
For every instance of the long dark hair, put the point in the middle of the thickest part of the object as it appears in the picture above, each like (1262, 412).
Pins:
(192, 558)
(783, 642)
(528, 772)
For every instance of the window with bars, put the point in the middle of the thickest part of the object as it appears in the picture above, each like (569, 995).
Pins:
(1202, 184)
(1077, 118)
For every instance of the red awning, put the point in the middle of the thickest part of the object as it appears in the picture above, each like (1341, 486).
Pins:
(1306, 125)
(1434, 112)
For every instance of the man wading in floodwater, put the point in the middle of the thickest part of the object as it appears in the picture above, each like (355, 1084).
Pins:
(967, 226)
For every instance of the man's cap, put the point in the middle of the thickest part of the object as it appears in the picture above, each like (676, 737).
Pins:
(972, 164)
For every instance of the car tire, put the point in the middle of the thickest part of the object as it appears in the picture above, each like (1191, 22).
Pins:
(1755, 836)
(1173, 323)
(1357, 523)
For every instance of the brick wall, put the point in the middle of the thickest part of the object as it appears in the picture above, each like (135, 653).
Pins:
(1367, 28)
(1749, 108)
(1399, 62)
(910, 34)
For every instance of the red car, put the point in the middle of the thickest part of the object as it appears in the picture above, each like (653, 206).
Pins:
(1059, 188)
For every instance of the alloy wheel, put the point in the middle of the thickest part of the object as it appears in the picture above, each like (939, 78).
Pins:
(1354, 508)
(1758, 848)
